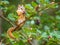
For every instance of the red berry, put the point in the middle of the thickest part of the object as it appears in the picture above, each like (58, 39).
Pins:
(49, 37)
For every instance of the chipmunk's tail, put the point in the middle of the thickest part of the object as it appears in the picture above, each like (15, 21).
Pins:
(11, 29)
(9, 32)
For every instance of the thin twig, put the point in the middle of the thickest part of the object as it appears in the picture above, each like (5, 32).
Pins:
(7, 20)
(1, 15)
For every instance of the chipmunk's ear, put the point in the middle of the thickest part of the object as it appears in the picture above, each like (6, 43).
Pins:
(23, 7)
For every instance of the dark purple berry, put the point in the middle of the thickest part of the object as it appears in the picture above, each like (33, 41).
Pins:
(37, 22)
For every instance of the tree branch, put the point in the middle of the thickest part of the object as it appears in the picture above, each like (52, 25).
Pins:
(1, 15)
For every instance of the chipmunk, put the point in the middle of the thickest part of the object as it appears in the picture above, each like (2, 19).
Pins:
(20, 21)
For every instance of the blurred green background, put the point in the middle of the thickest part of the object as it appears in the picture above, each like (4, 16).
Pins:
(42, 26)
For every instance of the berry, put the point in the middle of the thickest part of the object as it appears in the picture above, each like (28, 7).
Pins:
(49, 37)
(37, 22)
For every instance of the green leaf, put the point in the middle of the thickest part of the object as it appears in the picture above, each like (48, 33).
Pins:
(58, 17)
(10, 16)
(38, 31)
(27, 14)
(46, 27)
(32, 22)
(47, 1)
(38, 1)
(29, 6)
(4, 2)
(21, 42)
(34, 4)
(44, 34)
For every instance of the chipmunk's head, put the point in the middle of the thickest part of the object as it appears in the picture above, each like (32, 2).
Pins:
(20, 10)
